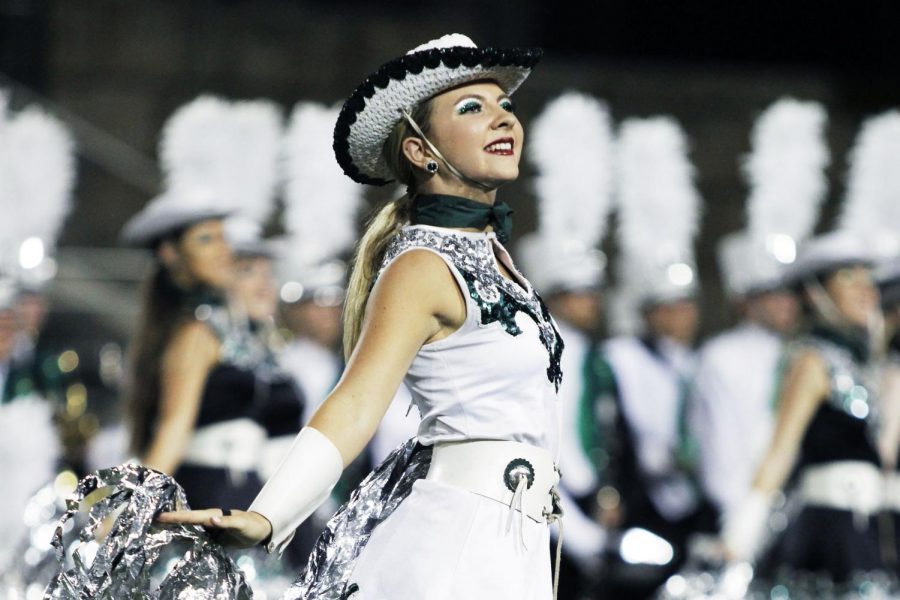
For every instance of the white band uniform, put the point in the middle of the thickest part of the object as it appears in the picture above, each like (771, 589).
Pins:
(493, 469)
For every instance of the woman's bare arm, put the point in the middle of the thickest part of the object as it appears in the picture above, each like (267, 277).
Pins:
(415, 301)
(805, 387)
(193, 351)
(889, 437)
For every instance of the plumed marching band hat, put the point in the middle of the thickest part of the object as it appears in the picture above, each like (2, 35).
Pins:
(751, 266)
(37, 173)
(559, 266)
(375, 107)
(659, 216)
(245, 236)
(321, 207)
(572, 150)
(785, 171)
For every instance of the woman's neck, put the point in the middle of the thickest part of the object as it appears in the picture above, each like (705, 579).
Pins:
(853, 338)
(441, 187)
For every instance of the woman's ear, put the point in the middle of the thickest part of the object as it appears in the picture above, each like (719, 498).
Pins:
(167, 254)
(415, 152)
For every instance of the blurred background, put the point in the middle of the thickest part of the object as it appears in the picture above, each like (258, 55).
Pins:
(114, 70)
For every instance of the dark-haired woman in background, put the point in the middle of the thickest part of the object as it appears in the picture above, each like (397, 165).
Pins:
(828, 426)
(192, 393)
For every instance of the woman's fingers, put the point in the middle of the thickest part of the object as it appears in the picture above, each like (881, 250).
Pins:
(210, 516)
(240, 528)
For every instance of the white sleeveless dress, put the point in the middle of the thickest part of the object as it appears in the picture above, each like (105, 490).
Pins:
(495, 378)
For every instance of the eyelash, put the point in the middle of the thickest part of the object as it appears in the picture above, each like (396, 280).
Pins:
(470, 106)
(475, 106)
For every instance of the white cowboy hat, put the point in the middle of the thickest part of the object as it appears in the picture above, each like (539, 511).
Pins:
(374, 108)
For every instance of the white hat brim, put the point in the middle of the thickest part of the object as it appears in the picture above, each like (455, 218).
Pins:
(829, 252)
(155, 222)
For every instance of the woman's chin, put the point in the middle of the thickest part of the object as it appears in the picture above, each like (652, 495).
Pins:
(498, 179)
(858, 320)
(218, 282)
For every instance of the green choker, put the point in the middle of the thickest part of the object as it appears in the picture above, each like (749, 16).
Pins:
(441, 210)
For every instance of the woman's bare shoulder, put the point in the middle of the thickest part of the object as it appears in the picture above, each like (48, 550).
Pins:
(809, 360)
(422, 277)
(417, 267)
(193, 339)
(809, 371)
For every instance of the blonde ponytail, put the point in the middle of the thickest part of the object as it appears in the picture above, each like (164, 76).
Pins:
(366, 263)
(382, 228)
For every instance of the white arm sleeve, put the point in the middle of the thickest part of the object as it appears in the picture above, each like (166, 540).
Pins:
(302, 482)
(746, 528)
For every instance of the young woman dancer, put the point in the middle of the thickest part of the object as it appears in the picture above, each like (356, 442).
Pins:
(434, 300)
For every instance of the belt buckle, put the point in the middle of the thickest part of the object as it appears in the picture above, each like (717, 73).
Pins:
(515, 470)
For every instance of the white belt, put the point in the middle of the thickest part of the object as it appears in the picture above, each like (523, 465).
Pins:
(518, 475)
(892, 491)
(234, 445)
(854, 486)
(521, 476)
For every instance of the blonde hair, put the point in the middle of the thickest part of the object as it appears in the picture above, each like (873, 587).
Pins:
(381, 229)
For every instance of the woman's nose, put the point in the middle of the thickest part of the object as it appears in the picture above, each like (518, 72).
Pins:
(503, 119)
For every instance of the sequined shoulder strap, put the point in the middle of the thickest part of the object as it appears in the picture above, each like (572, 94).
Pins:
(411, 239)
(853, 385)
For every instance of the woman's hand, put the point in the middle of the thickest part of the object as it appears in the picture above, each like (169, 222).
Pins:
(241, 529)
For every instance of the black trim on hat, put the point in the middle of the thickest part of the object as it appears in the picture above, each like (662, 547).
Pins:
(415, 63)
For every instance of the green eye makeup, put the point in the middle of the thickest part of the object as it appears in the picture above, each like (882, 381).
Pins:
(508, 105)
(468, 106)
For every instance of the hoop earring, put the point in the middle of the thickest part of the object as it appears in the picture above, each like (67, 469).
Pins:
(431, 166)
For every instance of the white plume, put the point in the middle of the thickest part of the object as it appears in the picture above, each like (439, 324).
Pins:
(572, 147)
(321, 203)
(659, 210)
(223, 154)
(29, 450)
(872, 207)
(38, 176)
(657, 202)
(258, 125)
(786, 170)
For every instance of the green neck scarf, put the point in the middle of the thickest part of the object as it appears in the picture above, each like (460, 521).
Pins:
(441, 210)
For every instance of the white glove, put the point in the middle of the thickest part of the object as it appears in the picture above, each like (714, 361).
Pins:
(302, 482)
(746, 527)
